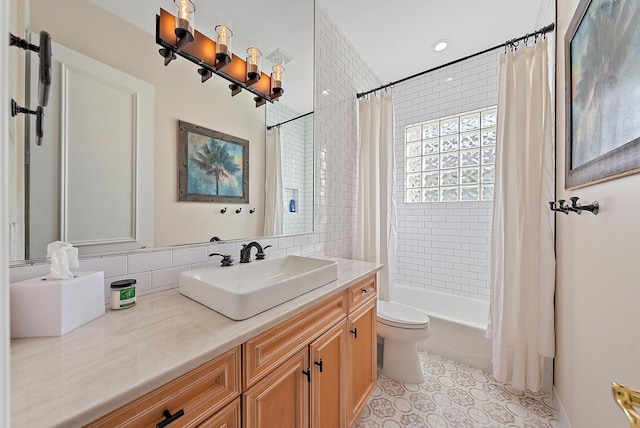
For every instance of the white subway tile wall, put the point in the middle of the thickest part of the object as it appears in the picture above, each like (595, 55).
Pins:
(340, 69)
(297, 155)
(444, 246)
(187, 256)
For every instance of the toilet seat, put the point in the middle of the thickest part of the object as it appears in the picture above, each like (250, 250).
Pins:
(401, 316)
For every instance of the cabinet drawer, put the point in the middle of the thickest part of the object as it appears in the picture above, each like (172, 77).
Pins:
(267, 351)
(199, 393)
(229, 417)
(361, 292)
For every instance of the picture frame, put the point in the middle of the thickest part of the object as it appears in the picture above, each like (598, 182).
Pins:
(602, 59)
(212, 166)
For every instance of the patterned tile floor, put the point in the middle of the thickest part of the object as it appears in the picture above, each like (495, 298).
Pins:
(455, 396)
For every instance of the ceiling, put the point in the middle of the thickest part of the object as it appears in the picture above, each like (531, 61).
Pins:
(395, 37)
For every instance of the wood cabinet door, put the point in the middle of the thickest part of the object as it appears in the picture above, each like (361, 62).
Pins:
(229, 417)
(271, 349)
(361, 357)
(281, 399)
(328, 378)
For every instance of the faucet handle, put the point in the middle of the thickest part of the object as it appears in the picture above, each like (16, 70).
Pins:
(261, 255)
(226, 259)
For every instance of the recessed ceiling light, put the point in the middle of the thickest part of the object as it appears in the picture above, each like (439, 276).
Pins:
(441, 45)
(325, 92)
(448, 79)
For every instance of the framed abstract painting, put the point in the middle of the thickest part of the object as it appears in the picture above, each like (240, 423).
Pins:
(602, 63)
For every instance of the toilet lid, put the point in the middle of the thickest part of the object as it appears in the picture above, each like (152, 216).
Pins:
(399, 315)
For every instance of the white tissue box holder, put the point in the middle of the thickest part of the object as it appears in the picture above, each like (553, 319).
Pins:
(55, 307)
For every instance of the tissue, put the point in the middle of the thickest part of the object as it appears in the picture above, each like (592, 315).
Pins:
(63, 256)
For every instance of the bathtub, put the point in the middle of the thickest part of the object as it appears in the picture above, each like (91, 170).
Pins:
(458, 325)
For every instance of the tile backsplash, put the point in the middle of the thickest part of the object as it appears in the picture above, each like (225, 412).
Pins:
(159, 269)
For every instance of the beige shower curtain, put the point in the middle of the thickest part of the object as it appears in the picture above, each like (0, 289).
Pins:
(273, 204)
(376, 219)
(522, 244)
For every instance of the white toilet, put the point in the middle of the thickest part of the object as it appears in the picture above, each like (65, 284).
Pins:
(401, 327)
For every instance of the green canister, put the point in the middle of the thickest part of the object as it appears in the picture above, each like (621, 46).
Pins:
(123, 293)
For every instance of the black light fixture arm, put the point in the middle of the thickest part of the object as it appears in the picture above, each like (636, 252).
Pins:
(17, 109)
(39, 114)
(22, 43)
(44, 77)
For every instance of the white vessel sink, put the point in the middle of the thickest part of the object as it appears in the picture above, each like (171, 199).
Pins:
(244, 290)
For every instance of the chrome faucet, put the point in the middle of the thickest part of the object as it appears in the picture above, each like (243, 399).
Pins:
(245, 252)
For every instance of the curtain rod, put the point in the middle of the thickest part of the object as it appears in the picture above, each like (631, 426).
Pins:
(287, 121)
(512, 42)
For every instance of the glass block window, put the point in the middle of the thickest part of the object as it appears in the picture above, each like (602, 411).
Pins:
(451, 159)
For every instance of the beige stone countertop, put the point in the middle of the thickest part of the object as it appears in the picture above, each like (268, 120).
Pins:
(74, 379)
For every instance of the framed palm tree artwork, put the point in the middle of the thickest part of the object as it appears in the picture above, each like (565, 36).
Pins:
(602, 66)
(213, 166)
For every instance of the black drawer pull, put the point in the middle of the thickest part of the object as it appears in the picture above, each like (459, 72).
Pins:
(319, 364)
(367, 290)
(307, 373)
(170, 418)
(354, 332)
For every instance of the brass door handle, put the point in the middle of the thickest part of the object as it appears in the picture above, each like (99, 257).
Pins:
(628, 399)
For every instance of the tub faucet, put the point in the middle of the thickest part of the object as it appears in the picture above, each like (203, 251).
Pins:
(245, 251)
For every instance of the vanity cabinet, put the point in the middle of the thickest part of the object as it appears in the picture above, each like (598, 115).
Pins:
(190, 399)
(269, 350)
(362, 357)
(328, 371)
(281, 399)
(316, 369)
(229, 417)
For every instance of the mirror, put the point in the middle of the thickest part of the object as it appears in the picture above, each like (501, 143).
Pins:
(121, 34)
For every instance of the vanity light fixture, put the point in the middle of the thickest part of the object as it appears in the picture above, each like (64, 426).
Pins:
(253, 62)
(184, 22)
(223, 42)
(277, 74)
(177, 37)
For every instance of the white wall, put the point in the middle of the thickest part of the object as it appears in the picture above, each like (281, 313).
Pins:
(444, 246)
(598, 286)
